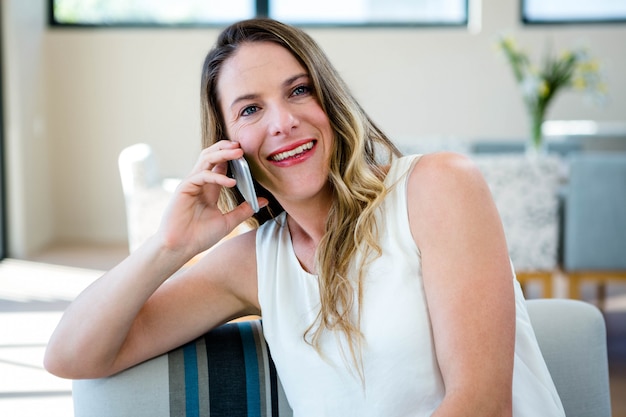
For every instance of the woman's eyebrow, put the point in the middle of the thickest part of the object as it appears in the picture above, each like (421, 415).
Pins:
(253, 96)
(291, 80)
(244, 97)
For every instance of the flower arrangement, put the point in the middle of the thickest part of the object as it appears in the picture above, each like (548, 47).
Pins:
(539, 85)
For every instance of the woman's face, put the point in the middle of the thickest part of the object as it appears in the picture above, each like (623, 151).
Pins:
(269, 107)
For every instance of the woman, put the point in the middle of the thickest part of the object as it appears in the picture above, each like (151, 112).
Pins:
(384, 282)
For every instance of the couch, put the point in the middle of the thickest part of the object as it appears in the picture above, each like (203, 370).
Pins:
(229, 371)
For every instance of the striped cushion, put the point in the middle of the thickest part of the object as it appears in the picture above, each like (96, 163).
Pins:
(227, 372)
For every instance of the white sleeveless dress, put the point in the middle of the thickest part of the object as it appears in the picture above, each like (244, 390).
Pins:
(401, 374)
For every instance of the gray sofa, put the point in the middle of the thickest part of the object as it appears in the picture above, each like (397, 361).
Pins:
(229, 371)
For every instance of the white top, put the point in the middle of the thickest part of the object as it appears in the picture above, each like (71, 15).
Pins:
(402, 377)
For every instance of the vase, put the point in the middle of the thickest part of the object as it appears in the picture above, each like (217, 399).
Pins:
(536, 145)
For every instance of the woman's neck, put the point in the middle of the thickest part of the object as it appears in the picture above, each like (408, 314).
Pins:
(307, 228)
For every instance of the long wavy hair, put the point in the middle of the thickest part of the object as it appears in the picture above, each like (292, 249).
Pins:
(360, 152)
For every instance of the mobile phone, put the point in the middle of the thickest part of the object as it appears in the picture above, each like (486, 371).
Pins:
(241, 172)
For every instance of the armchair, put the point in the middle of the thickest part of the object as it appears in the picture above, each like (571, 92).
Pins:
(595, 222)
(146, 194)
(527, 196)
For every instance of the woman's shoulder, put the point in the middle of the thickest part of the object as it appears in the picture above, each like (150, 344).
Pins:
(444, 188)
(449, 169)
(432, 172)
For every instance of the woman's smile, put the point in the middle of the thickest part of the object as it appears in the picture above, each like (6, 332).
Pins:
(292, 153)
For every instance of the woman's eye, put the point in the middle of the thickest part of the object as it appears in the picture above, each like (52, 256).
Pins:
(249, 110)
(301, 90)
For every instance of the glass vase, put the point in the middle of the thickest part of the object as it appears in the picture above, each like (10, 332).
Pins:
(536, 144)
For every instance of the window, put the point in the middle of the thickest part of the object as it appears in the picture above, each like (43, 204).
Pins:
(219, 12)
(148, 12)
(3, 158)
(568, 11)
(363, 12)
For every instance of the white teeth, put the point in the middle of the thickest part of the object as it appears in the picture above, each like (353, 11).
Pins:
(284, 155)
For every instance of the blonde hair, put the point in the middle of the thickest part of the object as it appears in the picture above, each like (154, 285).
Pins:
(356, 172)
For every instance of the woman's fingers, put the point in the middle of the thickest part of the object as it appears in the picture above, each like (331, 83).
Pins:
(214, 157)
(211, 168)
(193, 216)
(194, 184)
(242, 212)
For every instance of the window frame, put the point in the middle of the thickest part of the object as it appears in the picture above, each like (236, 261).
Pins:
(262, 10)
(4, 239)
(564, 22)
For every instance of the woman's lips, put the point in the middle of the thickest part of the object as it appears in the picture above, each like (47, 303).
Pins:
(293, 153)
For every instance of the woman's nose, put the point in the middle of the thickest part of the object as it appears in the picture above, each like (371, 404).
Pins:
(282, 120)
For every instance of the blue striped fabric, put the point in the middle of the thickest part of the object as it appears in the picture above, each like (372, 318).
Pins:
(228, 372)
(252, 370)
(192, 405)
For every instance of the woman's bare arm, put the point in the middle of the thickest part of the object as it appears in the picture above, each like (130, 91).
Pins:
(468, 283)
(134, 312)
(129, 315)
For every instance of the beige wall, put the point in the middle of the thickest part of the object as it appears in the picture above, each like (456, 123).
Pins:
(77, 97)
(29, 182)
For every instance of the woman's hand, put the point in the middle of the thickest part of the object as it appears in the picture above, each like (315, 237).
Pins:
(193, 222)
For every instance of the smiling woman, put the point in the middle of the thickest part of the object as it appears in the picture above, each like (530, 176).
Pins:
(383, 281)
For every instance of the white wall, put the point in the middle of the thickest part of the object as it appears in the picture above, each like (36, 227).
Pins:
(106, 89)
(29, 182)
